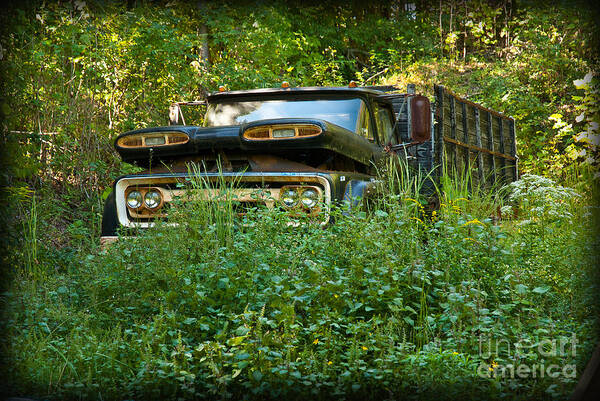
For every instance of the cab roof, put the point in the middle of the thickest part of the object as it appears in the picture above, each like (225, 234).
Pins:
(377, 92)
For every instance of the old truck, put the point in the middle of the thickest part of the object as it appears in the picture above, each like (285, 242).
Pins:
(307, 148)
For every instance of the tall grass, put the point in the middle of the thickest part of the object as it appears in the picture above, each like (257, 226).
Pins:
(30, 231)
(484, 196)
(216, 212)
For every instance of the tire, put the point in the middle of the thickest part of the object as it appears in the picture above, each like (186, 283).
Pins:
(110, 221)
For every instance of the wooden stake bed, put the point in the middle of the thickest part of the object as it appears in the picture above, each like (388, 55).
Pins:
(466, 137)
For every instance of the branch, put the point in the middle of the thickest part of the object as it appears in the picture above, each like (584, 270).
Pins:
(379, 73)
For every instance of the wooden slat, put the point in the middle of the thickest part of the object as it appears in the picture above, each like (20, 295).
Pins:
(513, 143)
(453, 131)
(491, 146)
(478, 141)
(465, 127)
(501, 148)
(478, 149)
(439, 150)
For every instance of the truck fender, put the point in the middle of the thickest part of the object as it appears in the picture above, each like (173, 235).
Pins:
(110, 221)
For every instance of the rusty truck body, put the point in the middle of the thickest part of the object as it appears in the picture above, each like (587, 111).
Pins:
(307, 148)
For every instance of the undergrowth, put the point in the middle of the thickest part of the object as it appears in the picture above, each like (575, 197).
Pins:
(389, 302)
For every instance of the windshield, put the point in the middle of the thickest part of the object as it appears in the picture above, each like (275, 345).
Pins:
(342, 112)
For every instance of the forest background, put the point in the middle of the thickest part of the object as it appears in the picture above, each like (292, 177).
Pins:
(76, 74)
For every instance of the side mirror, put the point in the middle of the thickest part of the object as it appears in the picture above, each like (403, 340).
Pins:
(174, 114)
(420, 119)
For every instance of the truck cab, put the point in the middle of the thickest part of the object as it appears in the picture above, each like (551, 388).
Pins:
(305, 147)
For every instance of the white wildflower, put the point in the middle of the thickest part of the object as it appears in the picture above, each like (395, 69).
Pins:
(540, 198)
(583, 83)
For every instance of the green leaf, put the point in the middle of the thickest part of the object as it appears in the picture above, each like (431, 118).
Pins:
(521, 289)
(106, 192)
(257, 375)
(541, 290)
(381, 213)
(236, 340)
(242, 330)
(410, 309)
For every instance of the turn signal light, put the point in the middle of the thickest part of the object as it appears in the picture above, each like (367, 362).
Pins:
(153, 139)
(278, 132)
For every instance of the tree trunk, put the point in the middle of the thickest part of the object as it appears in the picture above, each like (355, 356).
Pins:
(465, 32)
(204, 50)
(441, 32)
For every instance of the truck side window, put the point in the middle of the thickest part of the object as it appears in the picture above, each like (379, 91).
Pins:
(384, 120)
(364, 127)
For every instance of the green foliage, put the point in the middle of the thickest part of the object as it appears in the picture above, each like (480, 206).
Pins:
(88, 71)
(589, 119)
(391, 297)
(387, 301)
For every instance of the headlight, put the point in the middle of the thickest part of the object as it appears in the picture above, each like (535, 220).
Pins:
(152, 199)
(134, 199)
(309, 198)
(289, 197)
